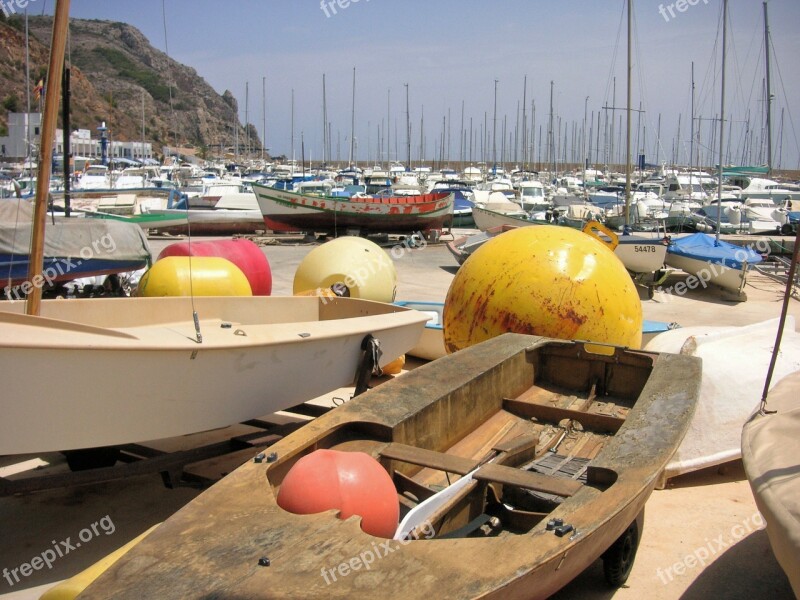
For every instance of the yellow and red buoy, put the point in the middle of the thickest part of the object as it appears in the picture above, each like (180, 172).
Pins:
(543, 280)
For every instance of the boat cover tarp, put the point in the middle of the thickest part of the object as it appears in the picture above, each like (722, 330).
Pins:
(701, 246)
(771, 454)
(97, 239)
(735, 363)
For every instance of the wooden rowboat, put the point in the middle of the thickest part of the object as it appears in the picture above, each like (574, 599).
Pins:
(290, 211)
(557, 448)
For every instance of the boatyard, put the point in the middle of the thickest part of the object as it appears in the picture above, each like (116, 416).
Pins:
(702, 532)
(482, 355)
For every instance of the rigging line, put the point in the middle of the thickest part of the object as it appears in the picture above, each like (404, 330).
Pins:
(169, 70)
(198, 334)
(777, 65)
(614, 55)
(7, 290)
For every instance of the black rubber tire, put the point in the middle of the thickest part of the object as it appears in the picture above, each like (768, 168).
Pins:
(618, 559)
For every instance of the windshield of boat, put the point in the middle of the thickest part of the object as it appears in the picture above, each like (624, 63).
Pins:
(535, 192)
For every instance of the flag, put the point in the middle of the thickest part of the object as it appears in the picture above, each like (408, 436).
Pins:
(39, 89)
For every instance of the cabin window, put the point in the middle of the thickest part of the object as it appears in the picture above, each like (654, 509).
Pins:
(674, 187)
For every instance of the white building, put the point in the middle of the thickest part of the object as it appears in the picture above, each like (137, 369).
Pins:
(23, 128)
(15, 144)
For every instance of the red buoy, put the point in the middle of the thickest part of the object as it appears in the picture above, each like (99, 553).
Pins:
(243, 253)
(352, 482)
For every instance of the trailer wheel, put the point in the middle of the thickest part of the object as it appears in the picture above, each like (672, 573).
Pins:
(618, 559)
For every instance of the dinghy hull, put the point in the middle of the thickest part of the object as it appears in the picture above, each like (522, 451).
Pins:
(470, 410)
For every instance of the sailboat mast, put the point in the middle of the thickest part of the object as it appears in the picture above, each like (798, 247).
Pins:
(27, 94)
(628, 133)
(524, 124)
(263, 116)
(408, 133)
(291, 172)
(769, 91)
(54, 74)
(494, 131)
(353, 121)
(324, 123)
(691, 137)
(722, 111)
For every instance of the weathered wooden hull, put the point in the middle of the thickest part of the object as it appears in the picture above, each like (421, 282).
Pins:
(289, 211)
(234, 540)
(208, 221)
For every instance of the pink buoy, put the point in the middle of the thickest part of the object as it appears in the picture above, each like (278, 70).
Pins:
(243, 253)
(353, 483)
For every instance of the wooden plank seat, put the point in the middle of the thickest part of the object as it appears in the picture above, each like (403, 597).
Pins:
(591, 421)
(429, 458)
(488, 472)
(528, 480)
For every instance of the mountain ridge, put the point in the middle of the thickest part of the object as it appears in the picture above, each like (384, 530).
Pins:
(119, 78)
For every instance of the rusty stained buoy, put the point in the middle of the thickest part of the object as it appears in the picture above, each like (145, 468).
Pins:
(543, 280)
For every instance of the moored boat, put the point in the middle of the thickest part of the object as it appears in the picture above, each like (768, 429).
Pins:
(461, 247)
(639, 254)
(431, 342)
(486, 218)
(712, 261)
(214, 221)
(735, 362)
(770, 453)
(289, 211)
(243, 357)
(73, 248)
(527, 456)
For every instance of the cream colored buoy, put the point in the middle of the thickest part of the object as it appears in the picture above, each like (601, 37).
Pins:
(351, 266)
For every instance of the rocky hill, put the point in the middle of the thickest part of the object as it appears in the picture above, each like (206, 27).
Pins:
(119, 78)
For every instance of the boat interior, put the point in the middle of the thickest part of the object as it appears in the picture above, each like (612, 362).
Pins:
(495, 457)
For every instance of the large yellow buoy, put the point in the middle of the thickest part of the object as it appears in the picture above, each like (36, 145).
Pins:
(210, 276)
(352, 266)
(544, 280)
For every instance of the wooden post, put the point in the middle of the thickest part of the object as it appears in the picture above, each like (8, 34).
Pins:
(36, 256)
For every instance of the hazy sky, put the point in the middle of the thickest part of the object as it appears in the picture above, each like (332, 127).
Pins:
(452, 52)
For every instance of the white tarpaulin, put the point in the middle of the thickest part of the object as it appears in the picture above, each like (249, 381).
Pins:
(735, 364)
